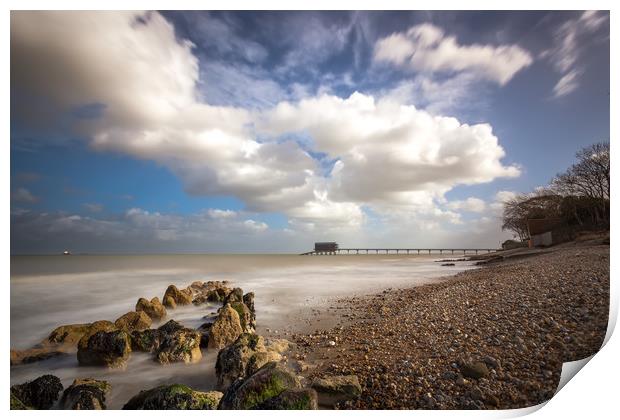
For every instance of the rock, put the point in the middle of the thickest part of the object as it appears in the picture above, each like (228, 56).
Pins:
(474, 370)
(154, 309)
(233, 360)
(179, 297)
(279, 345)
(61, 341)
(39, 394)
(145, 341)
(33, 355)
(204, 330)
(174, 397)
(111, 349)
(170, 327)
(85, 394)
(268, 382)
(261, 358)
(169, 302)
(236, 295)
(94, 328)
(492, 362)
(335, 389)
(211, 291)
(302, 366)
(248, 299)
(177, 344)
(68, 334)
(132, 321)
(292, 399)
(245, 316)
(16, 404)
(226, 328)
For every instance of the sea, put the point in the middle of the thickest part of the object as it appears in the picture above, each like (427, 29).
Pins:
(49, 291)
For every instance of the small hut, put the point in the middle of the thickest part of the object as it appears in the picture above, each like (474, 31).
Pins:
(325, 247)
(541, 231)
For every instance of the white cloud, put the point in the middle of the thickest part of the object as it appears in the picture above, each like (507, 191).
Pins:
(392, 158)
(427, 48)
(471, 204)
(255, 226)
(501, 197)
(399, 154)
(461, 93)
(568, 46)
(23, 195)
(221, 214)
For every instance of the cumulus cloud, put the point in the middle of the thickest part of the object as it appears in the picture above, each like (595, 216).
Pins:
(23, 195)
(387, 153)
(569, 44)
(389, 157)
(427, 48)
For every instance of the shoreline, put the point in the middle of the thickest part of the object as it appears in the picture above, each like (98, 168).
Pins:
(521, 318)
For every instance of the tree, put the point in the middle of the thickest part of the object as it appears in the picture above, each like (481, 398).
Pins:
(578, 196)
(541, 204)
(587, 182)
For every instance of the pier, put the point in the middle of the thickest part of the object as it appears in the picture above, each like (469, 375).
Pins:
(399, 251)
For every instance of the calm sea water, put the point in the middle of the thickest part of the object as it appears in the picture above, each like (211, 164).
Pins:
(48, 291)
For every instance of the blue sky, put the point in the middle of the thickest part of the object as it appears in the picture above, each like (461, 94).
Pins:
(265, 131)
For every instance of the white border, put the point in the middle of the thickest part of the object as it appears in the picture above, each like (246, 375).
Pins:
(592, 394)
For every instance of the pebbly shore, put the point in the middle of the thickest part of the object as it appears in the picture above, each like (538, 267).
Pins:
(490, 338)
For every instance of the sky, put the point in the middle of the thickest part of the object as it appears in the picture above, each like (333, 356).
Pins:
(185, 132)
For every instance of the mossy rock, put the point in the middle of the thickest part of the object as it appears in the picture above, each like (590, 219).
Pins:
(111, 349)
(292, 399)
(233, 360)
(85, 394)
(268, 382)
(181, 346)
(145, 341)
(245, 316)
(174, 397)
(39, 394)
(16, 403)
(94, 328)
(335, 389)
(235, 295)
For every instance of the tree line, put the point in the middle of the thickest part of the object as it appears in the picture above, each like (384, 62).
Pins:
(579, 197)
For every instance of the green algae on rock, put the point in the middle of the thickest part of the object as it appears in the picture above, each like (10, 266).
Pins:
(85, 394)
(174, 397)
(39, 394)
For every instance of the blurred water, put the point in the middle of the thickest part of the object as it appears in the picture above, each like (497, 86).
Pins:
(48, 291)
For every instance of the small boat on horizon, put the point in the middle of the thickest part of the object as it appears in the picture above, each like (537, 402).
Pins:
(66, 252)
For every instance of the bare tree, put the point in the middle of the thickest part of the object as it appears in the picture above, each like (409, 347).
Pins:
(589, 178)
(538, 205)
